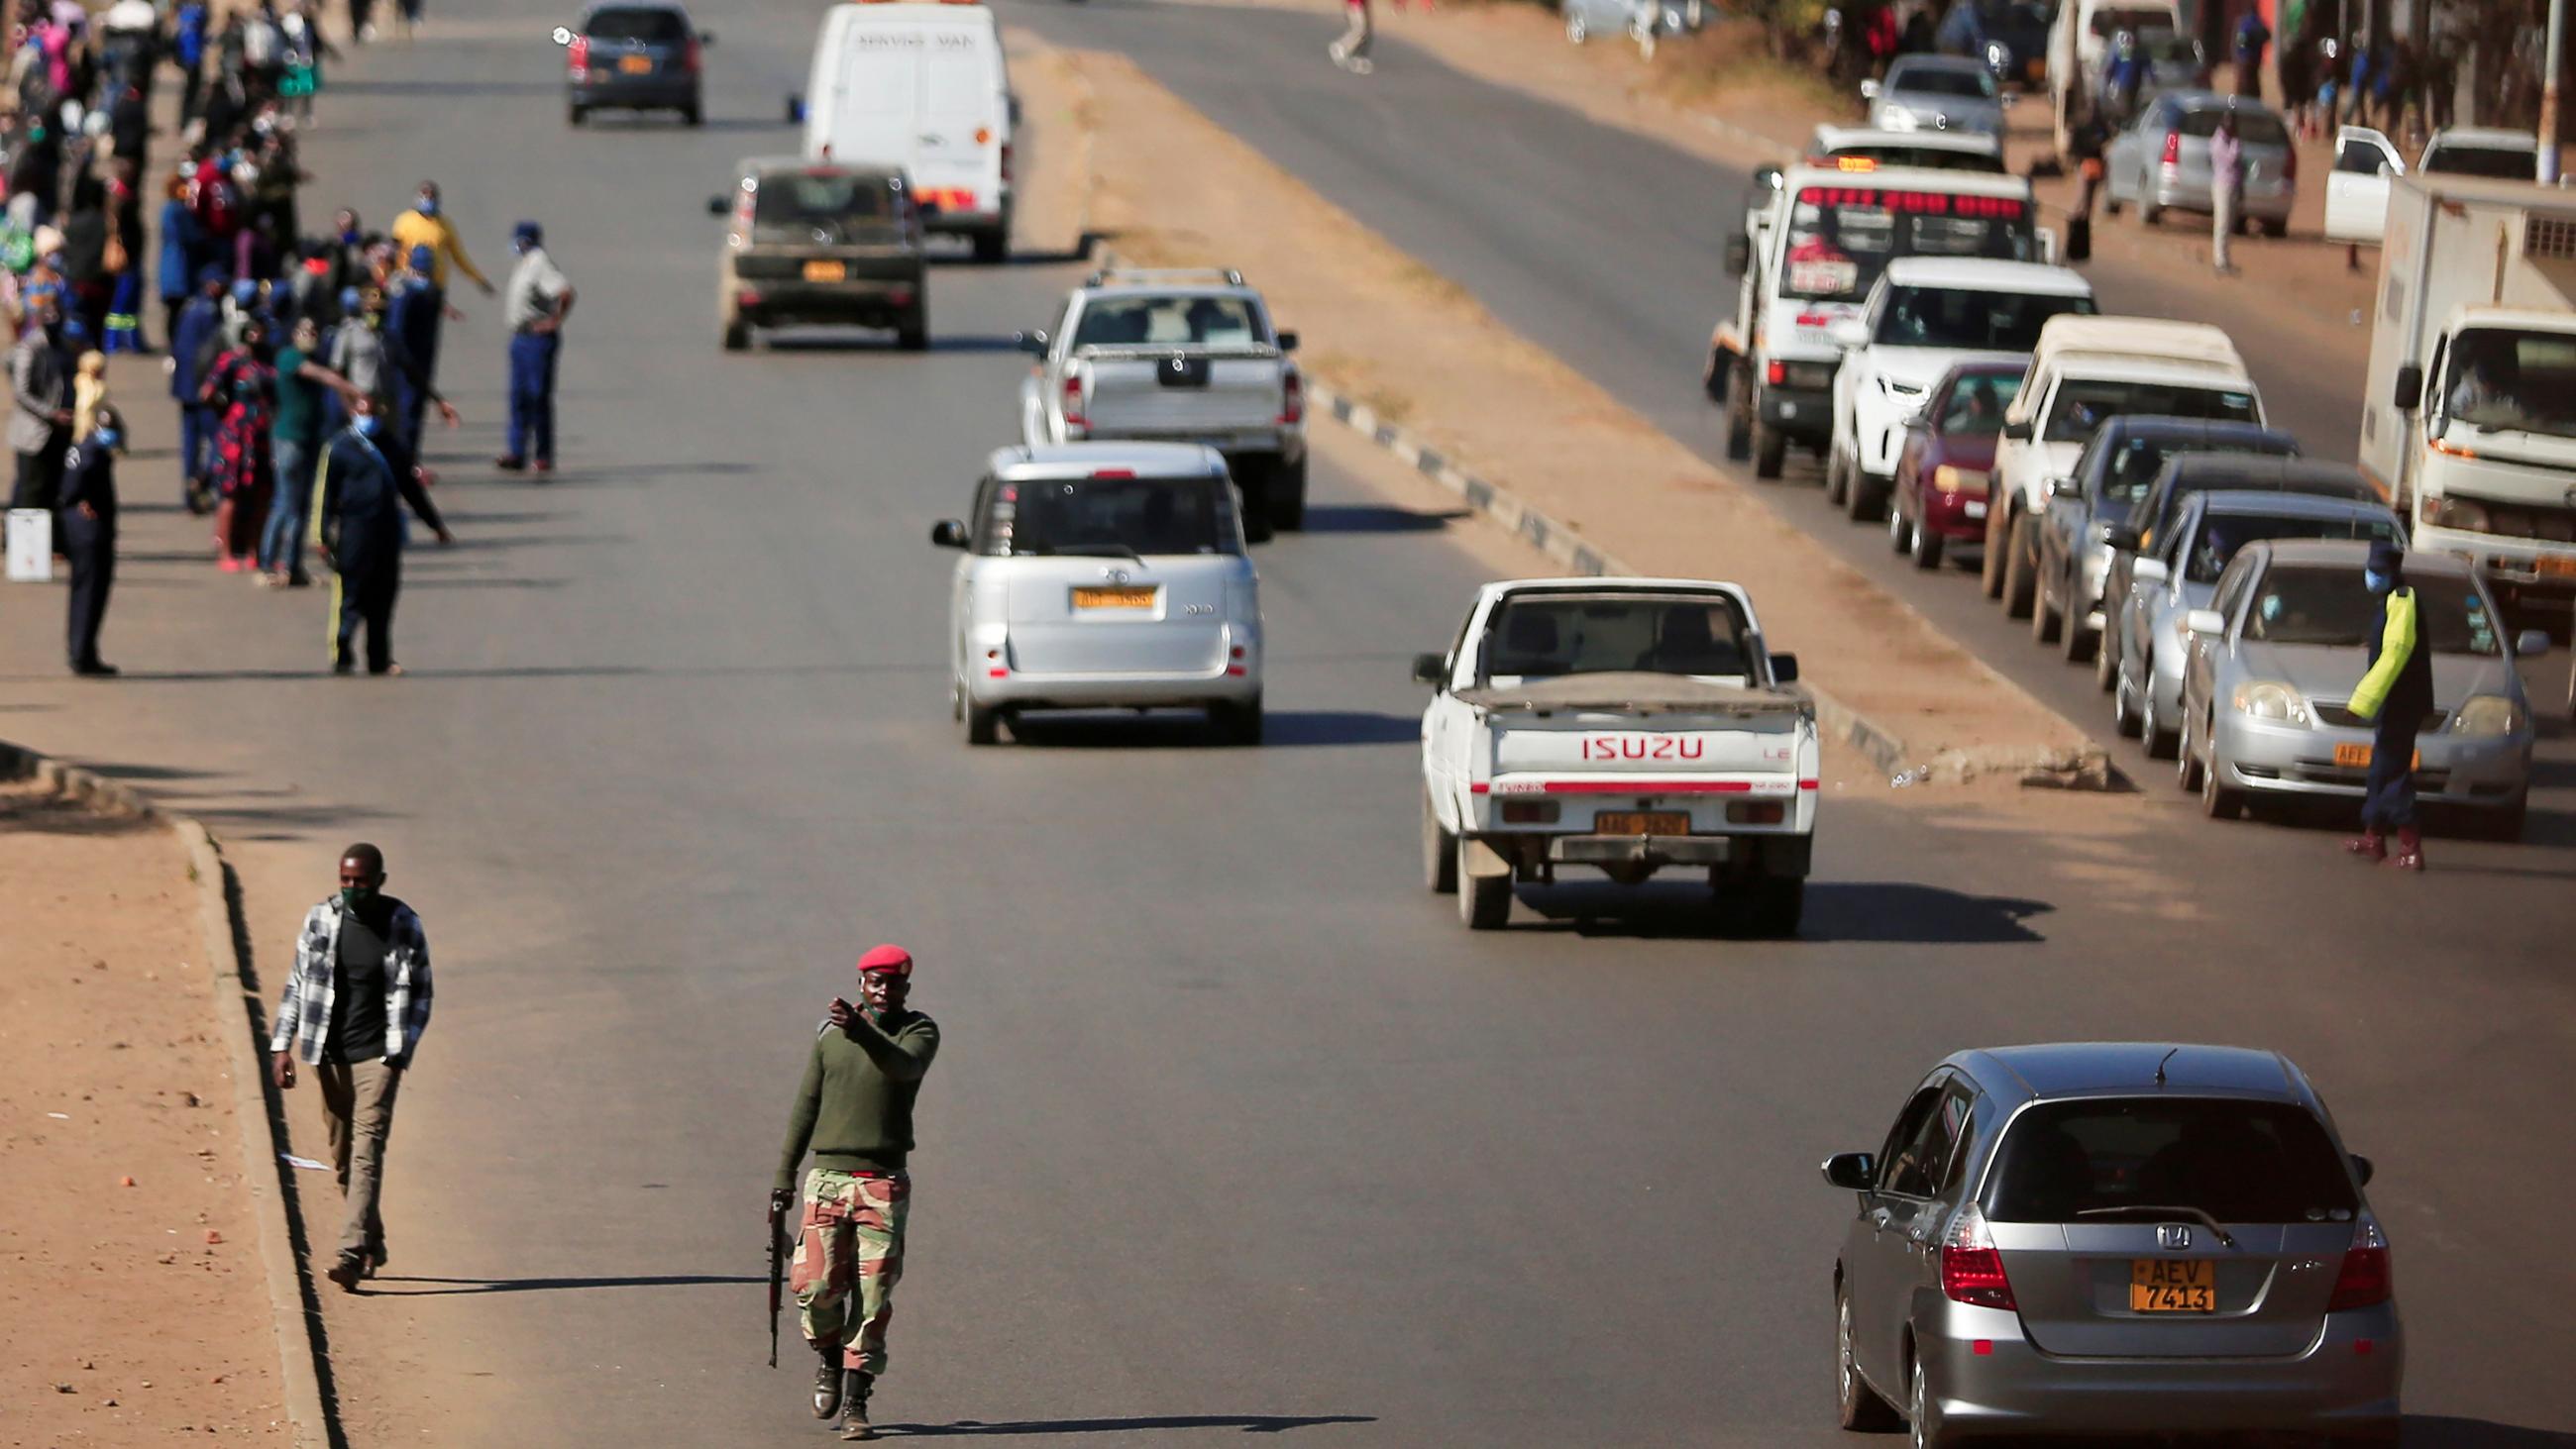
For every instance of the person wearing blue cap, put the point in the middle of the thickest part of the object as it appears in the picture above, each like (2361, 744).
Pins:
(2398, 693)
(538, 299)
(195, 337)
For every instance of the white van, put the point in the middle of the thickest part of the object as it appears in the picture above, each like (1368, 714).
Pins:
(923, 87)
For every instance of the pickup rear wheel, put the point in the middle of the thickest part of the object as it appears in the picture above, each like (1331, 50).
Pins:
(1863, 496)
(1439, 852)
(1484, 902)
(1770, 447)
(2017, 579)
(1739, 409)
(979, 722)
(913, 333)
(2043, 616)
(1288, 496)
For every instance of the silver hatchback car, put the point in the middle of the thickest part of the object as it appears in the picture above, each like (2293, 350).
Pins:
(2114, 1238)
(1103, 576)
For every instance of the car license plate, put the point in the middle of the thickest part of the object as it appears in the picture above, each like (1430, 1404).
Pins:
(1976, 508)
(1114, 596)
(635, 64)
(1641, 822)
(2171, 1285)
(827, 271)
(2357, 757)
(2037, 70)
(2564, 568)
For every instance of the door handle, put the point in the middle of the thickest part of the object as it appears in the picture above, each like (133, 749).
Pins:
(1878, 1220)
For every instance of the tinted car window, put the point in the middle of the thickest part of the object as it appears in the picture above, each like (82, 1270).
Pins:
(1919, 1164)
(2221, 535)
(1841, 237)
(638, 22)
(823, 199)
(2487, 161)
(1974, 406)
(1941, 81)
(1979, 320)
(1084, 515)
(1545, 638)
(2082, 404)
(1168, 322)
(2307, 604)
(2238, 1161)
(2254, 128)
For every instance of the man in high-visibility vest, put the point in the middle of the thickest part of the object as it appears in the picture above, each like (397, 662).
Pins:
(2398, 693)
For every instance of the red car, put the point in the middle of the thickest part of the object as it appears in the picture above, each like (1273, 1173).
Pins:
(1949, 449)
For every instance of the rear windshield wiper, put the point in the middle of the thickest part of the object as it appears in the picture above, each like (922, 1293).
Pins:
(1090, 550)
(2198, 1215)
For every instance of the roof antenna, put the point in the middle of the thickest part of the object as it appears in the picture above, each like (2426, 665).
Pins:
(2160, 1065)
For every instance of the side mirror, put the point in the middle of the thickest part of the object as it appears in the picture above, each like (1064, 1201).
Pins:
(1739, 254)
(1853, 1171)
(1784, 669)
(2047, 236)
(795, 109)
(924, 209)
(1033, 343)
(2149, 571)
(2059, 487)
(2122, 538)
(2363, 1169)
(708, 37)
(1849, 333)
(2410, 387)
(2530, 644)
(2020, 432)
(948, 533)
(1767, 178)
(716, 205)
(2205, 622)
(563, 35)
(1287, 341)
(1431, 669)
(1869, 90)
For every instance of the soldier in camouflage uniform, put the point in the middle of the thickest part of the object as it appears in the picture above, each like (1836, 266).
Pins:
(854, 1110)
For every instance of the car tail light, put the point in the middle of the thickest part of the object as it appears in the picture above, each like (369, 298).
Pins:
(1529, 812)
(1073, 417)
(1972, 1272)
(577, 56)
(2365, 1281)
(1776, 374)
(2173, 148)
(1755, 812)
(1006, 163)
(689, 56)
(1292, 399)
(1113, 473)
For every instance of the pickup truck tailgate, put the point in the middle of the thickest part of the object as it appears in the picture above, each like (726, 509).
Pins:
(1180, 392)
(1645, 735)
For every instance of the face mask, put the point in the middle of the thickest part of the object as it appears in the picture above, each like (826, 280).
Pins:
(428, 206)
(349, 238)
(368, 425)
(2377, 582)
(357, 898)
(107, 438)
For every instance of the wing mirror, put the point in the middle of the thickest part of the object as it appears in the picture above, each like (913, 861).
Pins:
(2149, 571)
(716, 205)
(2208, 623)
(706, 37)
(1851, 1170)
(2019, 432)
(1849, 333)
(795, 109)
(1739, 254)
(2121, 537)
(2059, 487)
(1784, 669)
(563, 35)
(2530, 644)
(1287, 341)
(1869, 90)
(2363, 1169)
(2410, 387)
(948, 533)
(1767, 179)
(1034, 342)
(1430, 669)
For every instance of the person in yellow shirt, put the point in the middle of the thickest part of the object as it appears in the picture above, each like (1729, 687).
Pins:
(427, 225)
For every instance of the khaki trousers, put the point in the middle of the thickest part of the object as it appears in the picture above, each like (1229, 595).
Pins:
(358, 1108)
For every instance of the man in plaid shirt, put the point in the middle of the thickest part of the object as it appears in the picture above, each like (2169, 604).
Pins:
(354, 1010)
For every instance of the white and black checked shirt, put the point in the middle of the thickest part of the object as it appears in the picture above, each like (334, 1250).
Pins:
(304, 1012)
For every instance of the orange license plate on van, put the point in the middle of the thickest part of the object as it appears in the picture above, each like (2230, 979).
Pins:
(827, 271)
(1107, 596)
(2357, 757)
(2173, 1285)
(1641, 822)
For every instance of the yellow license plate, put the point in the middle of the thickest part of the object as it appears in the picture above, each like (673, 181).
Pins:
(1114, 596)
(827, 271)
(2170, 1285)
(2555, 567)
(2037, 70)
(2357, 757)
(1641, 822)
(635, 64)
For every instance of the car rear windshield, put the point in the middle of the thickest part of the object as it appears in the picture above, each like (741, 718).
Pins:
(1841, 237)
(1546, 638)
(2495, 163)
(2222, 534)
(2130, 472)
(1942, 80)
(1960, 318)
(1168, 322)
(2238, 1161)
(2083, 404)
(824, 200)
(1974, 406)
(638, 22)
(1111, 516)
(2312, 604)
(2253, 127)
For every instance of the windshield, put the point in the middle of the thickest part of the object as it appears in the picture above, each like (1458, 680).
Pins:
(1110, 515)
(2310, 604)
(1543, 638)
(658, 27)
(825, 201)
(1841, 237)
(2222, 534)
(1960, 318)
(1925, 158)
(2082, 404)
(2493, 162)
(2254, 126)
(2507, 379)
(1168, 322)
(2240, 1162)
(1974, 406)
(1941, 80)
(2130, 472)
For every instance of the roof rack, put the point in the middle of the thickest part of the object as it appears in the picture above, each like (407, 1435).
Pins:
(1106, 275)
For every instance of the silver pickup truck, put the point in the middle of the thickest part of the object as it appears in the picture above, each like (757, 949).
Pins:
(1176, 356)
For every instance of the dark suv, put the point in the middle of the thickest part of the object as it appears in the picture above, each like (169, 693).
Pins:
(812, 242)
(632, 55)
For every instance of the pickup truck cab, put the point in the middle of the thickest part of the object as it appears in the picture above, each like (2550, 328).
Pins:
(1626, 725)
(1179, 356)
(2085, 371)
(1827, 236)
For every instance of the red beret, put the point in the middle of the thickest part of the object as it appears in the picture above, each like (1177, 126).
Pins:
(892, 960)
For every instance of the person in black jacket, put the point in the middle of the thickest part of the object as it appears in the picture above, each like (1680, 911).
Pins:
(367, 478)
(86, 529)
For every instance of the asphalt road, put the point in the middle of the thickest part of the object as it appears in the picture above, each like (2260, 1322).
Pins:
(1235, 1129)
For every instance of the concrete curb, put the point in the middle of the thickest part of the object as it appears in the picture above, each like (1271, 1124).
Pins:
(303, 1362)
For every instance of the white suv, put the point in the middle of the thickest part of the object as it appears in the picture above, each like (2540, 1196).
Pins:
(1925, 315)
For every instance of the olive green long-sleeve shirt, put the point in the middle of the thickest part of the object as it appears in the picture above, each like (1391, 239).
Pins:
(854, 1108)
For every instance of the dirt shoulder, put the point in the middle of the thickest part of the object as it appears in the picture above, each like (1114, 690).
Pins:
(134, 1308)
(1385, 330)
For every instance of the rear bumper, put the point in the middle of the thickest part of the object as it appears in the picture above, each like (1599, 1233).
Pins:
(1116, 691)
(868, 302)
(1780, 851)
(1959, 517)
(1806, 415)
(2015, 1388)
(643, 92)
(968, 223)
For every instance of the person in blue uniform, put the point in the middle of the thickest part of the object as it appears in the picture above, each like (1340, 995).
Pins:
(85, 526)
(367, 478)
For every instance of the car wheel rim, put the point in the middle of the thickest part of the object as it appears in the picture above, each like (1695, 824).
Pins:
(1921, 1398)
(1843, 1352)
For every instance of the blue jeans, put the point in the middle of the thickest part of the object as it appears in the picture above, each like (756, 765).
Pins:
(196, 443)
(281, 543)
(532, 395)
(2388, 793)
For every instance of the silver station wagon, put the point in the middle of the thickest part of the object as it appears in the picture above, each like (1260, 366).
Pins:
(2123, 1238)
(1103, 576)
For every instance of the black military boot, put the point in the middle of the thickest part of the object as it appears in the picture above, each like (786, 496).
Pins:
(827, 1380)
(854, 1399)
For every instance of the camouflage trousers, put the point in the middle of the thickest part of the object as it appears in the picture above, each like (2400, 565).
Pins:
(851, 1241)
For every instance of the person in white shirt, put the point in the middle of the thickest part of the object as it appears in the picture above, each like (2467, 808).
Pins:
(535, 304)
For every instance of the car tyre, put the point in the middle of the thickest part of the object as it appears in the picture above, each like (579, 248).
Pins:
(979, 722)
(1439, 852)
(1927, 546)
(2123, 722)
(2106, 652)
(2151, 728)
(1770, 449)
(1864, 496)
(2148, 212)
(737, 335)
(992, 246)
(2217, 801)
(2503, 824)
(691, 115)
(1288, 497)
(1484, 902)
(1857, 1406)
(2017, 580)
(1835, 485)
(1924, 1411)
(575, 115)
(1576, 32)
(2187, 770)
(913, 334)
(2277, 227)
(1899, 540)
(1237, 724)
(2044, 616)
(2074, 639)
(1739, 410)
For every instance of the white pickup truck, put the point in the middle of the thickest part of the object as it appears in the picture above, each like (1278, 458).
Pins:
(1627, 725)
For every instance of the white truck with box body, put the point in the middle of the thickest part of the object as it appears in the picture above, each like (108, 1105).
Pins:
(1622, 724)
(2469, 418)
(922, 86)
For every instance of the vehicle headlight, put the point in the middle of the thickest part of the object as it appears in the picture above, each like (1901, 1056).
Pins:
(1997, 54)
(2272, 700)
(2489, 716)
(1896, 118)
(1947, 479)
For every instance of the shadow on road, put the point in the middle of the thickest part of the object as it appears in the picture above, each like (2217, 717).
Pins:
(1187, 729)
(1247, 1423)
(1079, 252)
(1879, 912)
(1376, 518)
(444, 1286)
(2430, 1431)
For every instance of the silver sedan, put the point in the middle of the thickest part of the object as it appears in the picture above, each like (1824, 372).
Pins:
(1936, 93)
(2266, 691)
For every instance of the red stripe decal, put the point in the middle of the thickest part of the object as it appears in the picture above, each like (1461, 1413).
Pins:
(1810, 785)
(1480, 788)
(1646, 787)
